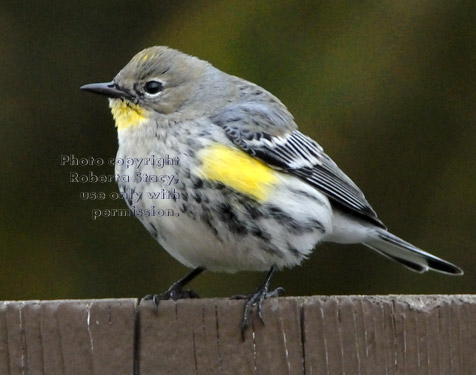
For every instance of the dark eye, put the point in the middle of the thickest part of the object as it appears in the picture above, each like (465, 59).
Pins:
(153, 87)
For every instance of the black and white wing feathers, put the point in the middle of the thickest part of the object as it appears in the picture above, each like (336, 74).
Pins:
(295, 153)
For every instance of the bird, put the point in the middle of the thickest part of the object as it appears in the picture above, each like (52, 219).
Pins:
(250, 191)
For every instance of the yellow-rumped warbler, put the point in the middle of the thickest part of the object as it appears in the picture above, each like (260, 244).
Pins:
(252, 192)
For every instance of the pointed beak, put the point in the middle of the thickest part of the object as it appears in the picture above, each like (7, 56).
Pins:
(108, 89)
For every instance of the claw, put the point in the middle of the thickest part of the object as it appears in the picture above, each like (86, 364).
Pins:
(256, 300)
(279, 291)
(175, 291)
(155, 300)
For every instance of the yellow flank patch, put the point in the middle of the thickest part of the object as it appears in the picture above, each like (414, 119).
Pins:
(237, 170)
(126, 114)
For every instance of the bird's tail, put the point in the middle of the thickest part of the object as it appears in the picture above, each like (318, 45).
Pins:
(410, 256)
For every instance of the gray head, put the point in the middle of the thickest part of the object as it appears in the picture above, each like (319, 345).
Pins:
(157, 79)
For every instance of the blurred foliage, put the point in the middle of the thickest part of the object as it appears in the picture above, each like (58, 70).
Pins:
(387, 87)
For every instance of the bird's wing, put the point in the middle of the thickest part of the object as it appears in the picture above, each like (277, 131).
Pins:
(293, 152)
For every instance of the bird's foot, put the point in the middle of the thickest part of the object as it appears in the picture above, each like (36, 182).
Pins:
(256, 300)
(176, 291)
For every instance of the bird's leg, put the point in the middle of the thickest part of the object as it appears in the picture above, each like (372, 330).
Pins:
(256, 299)
(176, 291)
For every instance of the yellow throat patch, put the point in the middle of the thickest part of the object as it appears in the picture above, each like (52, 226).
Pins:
(127, 114)
(237, 170)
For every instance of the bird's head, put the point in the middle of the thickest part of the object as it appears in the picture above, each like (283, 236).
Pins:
(158, 80)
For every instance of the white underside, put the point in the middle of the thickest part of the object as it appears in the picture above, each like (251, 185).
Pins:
(193, 243)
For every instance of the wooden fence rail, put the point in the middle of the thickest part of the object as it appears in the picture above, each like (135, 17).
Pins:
(430, 334)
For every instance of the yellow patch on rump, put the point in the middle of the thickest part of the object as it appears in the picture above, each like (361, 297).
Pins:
(237, 170)
(126, 114)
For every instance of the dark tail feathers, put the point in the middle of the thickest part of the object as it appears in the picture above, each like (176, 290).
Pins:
(410, 256)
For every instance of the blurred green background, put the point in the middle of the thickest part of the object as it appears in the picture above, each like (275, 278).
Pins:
(387, 87)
